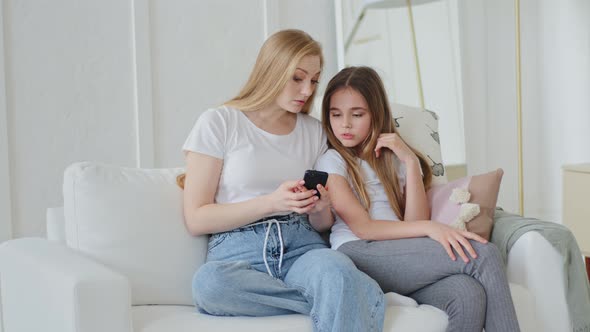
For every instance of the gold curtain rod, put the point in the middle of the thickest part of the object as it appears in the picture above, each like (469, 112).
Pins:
(416, 59)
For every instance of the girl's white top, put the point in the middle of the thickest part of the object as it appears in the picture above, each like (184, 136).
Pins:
(333, 163)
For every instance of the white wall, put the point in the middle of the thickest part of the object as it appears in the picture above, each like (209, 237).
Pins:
(202, 53)
(121, 82)
(69, 96)
(563, 56)
(556, 104)
(5, 200)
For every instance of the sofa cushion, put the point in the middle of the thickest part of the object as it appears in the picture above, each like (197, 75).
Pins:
(402, 314)
(132, 221)
(419, 128)
(423, 318)
(483, 189)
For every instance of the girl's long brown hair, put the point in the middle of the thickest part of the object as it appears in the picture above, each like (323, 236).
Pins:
(367, 82)
(275, 65)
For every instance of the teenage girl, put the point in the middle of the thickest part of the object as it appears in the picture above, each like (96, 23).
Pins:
(377, 187)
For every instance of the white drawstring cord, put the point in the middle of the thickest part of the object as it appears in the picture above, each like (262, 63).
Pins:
(269, 223)
(264, 248)
(282, 247)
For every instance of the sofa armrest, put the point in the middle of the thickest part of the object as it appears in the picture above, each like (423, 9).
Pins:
(536, 265)
(47, 286)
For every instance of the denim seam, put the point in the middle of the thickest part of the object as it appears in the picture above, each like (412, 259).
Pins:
(374, 312)
(309, 299)
(218, 241)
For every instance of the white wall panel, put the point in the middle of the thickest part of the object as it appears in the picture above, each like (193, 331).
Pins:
(316, 18)
(271, 16)
(145, 144)
(5, 188)
(473, 41)
(69, 78)
(555, 85)
(202, 54)
(563, 55)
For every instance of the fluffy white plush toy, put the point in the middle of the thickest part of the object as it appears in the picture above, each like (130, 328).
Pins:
(460, 196)
(467, 212)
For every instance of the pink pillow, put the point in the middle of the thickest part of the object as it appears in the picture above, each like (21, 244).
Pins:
(484, 190)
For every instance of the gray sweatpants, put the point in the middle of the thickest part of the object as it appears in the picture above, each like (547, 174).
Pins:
(474, 294)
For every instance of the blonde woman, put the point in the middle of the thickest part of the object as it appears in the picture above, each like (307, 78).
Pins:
(244, 162)
(377, 185)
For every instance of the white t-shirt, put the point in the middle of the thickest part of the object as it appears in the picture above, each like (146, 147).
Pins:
(255, 162)
(333, 163)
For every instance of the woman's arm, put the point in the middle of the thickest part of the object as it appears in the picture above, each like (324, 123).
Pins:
(203, 216)
(417, 207)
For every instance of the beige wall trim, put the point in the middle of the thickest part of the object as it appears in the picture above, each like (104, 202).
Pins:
(455, 172)
(144, 113)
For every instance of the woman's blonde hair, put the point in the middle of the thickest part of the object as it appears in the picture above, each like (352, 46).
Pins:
(367, 82)
(275, 65)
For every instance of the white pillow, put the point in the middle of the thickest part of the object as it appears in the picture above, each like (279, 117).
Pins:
(132, 221)
(419, 128)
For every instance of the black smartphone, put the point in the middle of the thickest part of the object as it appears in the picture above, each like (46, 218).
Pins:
(312, 178)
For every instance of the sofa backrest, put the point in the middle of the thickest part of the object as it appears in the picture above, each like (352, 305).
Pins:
(132, 221)
(56, 225)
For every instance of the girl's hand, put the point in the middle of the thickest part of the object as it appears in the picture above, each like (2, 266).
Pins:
(289, 197)
(451, 238)
(323, 202)
(395, 143)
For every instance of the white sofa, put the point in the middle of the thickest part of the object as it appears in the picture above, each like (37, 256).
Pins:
(119, 259)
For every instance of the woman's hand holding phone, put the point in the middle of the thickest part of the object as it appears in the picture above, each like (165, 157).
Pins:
(289, 197)
(320, 215)
(317, 180)
(303, 196)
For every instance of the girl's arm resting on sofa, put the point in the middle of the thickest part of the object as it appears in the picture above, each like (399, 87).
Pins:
(348, 207)
(358, 219)
(203, 216)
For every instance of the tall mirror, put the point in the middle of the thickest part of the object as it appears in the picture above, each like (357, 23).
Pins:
(414, 45)
(462, 60)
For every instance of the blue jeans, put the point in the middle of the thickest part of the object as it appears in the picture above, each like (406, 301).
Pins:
(310, 279)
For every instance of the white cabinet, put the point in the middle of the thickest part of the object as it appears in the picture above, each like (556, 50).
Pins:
(576, 205)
